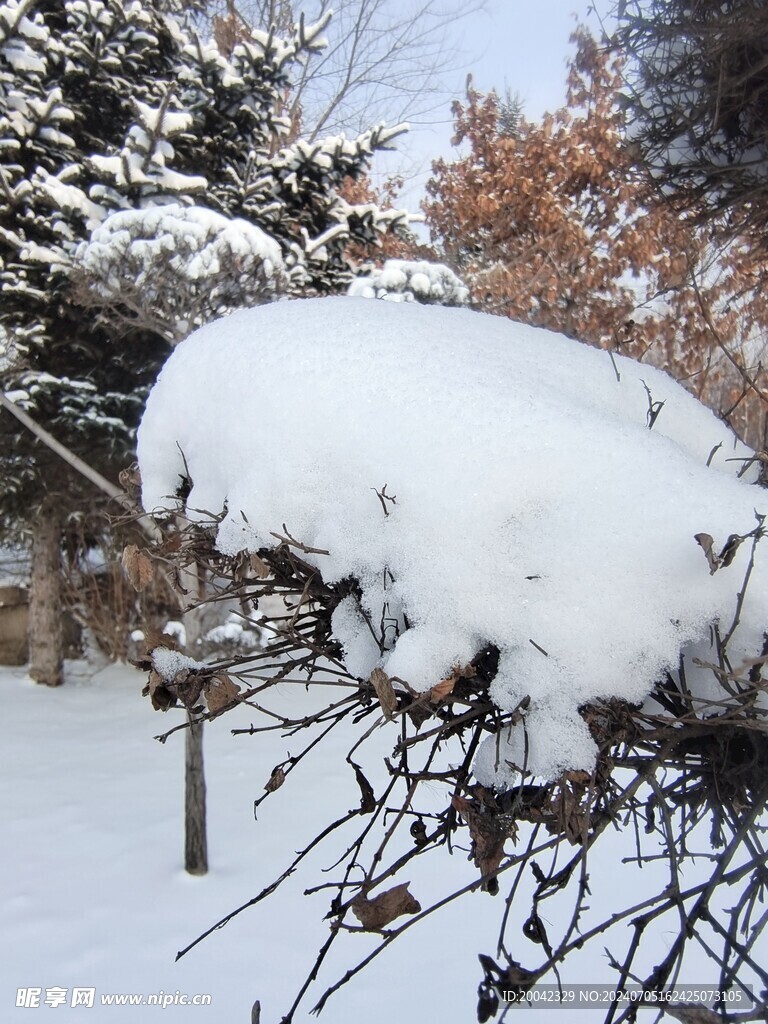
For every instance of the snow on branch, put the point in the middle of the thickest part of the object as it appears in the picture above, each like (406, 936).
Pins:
(412, 281)
(176, 267)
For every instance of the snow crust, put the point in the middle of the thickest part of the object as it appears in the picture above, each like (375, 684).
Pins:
(485, 482)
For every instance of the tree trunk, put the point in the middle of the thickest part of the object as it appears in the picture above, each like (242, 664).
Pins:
(46, 648)
(195, 826)
(195, 841)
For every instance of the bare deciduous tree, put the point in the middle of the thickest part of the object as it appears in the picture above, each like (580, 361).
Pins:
(384, 60)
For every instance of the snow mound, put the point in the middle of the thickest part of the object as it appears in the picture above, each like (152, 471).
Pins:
(484, 481)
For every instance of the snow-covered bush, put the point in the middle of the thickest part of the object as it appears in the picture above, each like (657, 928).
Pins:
(541, 560)
(175, 267)
(412, 281)
(482, 482)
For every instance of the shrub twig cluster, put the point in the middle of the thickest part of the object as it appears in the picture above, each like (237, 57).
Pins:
(684, 781)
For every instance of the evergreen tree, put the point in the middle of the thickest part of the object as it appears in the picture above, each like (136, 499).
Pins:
(113, 110)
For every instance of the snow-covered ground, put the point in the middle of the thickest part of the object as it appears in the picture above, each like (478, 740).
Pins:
(95, 895)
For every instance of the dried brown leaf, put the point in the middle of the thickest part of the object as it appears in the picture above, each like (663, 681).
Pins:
(158, 691)
(172, 544)
(276, 779)
(367, 797)
(488, 836)
(706, 542)
(153, 639)
(187, 685)
(259, 566)
(377, 913)
(728, 553)
(571, 811)
(138, 568)
(382, 685)
(418, 713)
(441, 690)
(220, 692)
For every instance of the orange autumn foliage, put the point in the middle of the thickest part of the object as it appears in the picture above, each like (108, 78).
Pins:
(556, 224)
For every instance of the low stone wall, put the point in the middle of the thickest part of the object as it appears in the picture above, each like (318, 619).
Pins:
(14, 615)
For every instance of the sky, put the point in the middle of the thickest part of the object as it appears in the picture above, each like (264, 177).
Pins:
(525, 47)
(513, 45)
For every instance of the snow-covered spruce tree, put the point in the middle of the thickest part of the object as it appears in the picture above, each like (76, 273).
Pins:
(107, 112)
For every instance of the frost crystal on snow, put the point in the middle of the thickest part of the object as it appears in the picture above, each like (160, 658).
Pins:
(534, 508)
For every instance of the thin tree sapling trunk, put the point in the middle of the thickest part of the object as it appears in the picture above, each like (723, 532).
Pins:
(195, 825)
(195, 836)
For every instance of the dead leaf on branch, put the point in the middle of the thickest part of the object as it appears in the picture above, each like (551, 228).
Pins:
(445, 687)
(153, 639)
(188, 686)
(728, 553)
(158, 692)
(276, 779)
(220, 692)
(259, 566)
(418, 713)
(441, 690)
(570, 808)
(726, 556)
(385, 691)
(367, 796)
(534, 930)
(488, 837)
(138, 568)
(377, 913)
(706, 542)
